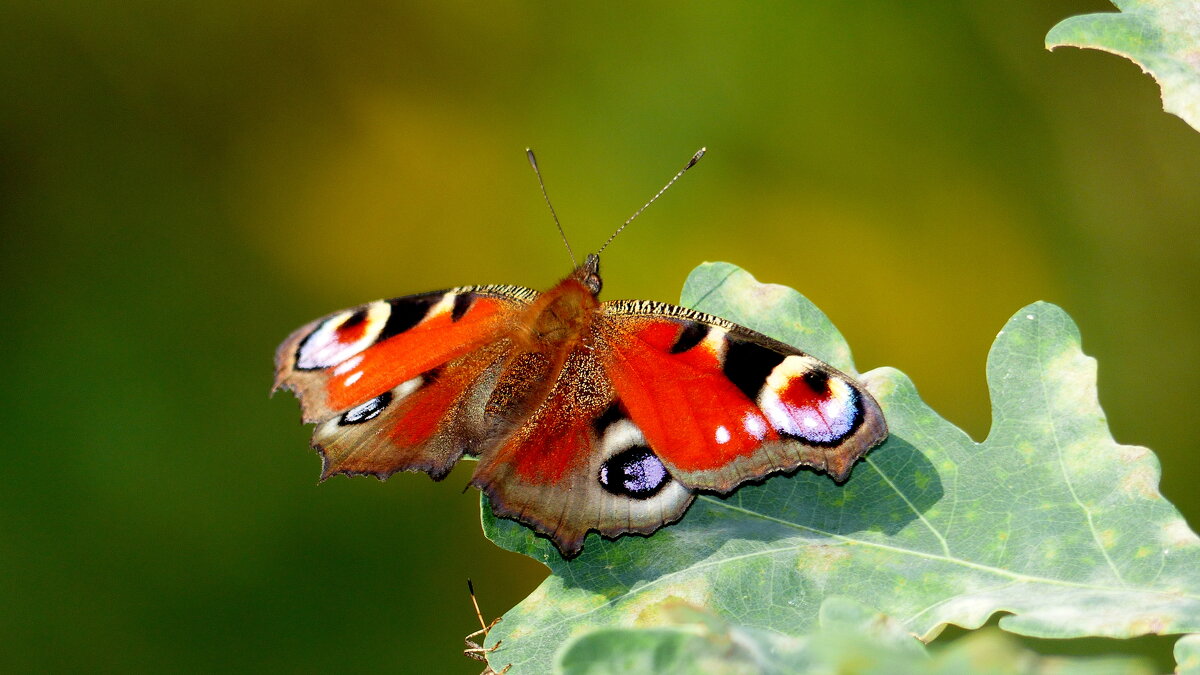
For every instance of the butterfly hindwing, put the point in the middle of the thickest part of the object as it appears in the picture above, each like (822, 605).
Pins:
(425, 424)
(578, 463)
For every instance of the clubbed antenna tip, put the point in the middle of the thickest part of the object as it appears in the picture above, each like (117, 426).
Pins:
(691, 162)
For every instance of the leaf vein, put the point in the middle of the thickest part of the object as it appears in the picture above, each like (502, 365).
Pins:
(911, 506)
(1062, 466)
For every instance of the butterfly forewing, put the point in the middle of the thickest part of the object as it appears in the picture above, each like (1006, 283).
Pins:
(722, 405)
(398, 385)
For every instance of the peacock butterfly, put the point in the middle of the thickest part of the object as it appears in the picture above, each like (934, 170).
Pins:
(583, 415)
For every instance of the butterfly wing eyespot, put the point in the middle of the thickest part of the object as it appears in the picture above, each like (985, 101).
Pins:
(805, 402)
(636, 473)
(342, 336)
(631, 468)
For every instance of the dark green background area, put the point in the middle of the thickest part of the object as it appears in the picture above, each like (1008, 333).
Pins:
(183, 184)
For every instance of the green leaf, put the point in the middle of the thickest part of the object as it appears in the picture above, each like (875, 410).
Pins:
(692, 640)
(1161, 36)
(1048, 520)
(849, 639)
(1187, 655)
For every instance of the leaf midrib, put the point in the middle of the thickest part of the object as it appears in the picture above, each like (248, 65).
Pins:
(998, 571)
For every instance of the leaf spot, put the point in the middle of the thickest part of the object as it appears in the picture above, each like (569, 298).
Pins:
(1142, 481)
(1177, 534)
(1148, 625)
(1108, 538)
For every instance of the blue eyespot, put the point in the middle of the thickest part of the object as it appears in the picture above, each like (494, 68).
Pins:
(635, 473)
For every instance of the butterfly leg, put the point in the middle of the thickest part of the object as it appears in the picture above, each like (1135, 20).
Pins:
(475, 650)
(479, 653)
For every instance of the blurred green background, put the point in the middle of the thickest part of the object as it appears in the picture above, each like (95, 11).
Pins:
(182, 184)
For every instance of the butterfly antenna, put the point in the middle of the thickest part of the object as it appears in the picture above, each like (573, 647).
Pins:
(542, 184)
(691, 162)
(478, 614)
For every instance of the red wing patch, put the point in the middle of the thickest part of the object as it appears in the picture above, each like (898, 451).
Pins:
(545, 456)
(553, 442)
(399, 358)
(417, 422)
(694, 417)
(576, 464)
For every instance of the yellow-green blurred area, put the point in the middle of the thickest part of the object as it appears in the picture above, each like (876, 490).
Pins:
(183, 184)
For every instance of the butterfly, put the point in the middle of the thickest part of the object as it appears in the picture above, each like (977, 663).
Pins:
(583, 415)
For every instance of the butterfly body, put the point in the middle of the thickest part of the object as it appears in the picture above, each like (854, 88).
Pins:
(583, 415)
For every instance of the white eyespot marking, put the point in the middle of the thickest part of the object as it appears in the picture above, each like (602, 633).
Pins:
(352, 379)
(621, 435)
(722, 435)
(755, 425)
(803, 401)
(342, 336)
(348, 365)
(632, 481)
(635, 473)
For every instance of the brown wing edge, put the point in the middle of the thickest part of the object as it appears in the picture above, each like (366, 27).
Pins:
(653, 308)
(570, 543)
